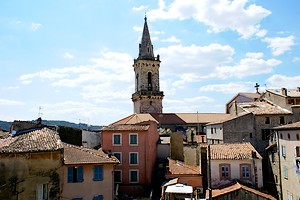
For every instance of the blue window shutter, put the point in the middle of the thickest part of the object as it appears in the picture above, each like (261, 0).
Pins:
(70, 174)
(80, 173)
(98, 173)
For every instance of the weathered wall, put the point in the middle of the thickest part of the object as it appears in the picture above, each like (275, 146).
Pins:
(29, 169)
(176, 144)
(191, 154)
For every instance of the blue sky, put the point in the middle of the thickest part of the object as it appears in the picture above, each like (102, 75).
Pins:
(73, 59)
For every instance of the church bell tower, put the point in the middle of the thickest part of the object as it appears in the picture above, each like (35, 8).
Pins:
(147, 97)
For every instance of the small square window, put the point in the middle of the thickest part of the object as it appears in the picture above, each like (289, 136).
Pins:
(267, 120)
(118, 155)
(117, 139)
(245, 171)
(118, 176)
(283, 151)
(285, 172)
(99, 197)
(133, 158)
(134, 176)
(281, 120)
(133, 139)
(224, 171)
(75, 174)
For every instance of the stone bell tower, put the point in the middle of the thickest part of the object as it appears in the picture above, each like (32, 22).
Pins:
(147, 97)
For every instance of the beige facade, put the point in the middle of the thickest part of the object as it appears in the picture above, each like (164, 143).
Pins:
(284, 154)
(235, 161)
(89, 188)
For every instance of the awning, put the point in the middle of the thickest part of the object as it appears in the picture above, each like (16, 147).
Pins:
(179, 189)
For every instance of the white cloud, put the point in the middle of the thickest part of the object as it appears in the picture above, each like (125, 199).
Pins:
(296, 59)
(171, 39)
(252, 64)
(220, 15)
(68, 55)
(229, 88)
(179, 59)
(7, 102)
(142, 7)
(35, 26)
(279, 45)
(279, 81)
(110, 66)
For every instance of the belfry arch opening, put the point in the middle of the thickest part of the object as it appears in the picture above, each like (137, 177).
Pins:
(149, 76)
(137, 82)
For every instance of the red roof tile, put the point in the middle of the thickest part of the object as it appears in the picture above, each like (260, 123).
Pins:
(178, 167)
(126, 127)
(38, 140)
(237, 186)
(263, 108)
(80, 155)
(233, 151)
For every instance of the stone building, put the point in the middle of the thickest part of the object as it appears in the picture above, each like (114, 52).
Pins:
(285, 98)
(284, 160)
(147, 97)
(36, 164)
(235, 161)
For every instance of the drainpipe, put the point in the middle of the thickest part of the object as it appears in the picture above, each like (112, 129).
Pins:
(209, 173)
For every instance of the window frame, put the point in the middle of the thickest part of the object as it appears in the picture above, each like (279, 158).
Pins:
(79, 174)
(98, 173)
(221, 171)
(137, 139)
(137, 175)
(120, 153)
(285, 172)
(98, 197)
(137, 158)
(113, 139)
(43, 191)
(283, 151)
(120, 171)
(241, 171)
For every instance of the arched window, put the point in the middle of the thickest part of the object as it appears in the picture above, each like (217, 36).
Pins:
(137, 82)
(149, 81)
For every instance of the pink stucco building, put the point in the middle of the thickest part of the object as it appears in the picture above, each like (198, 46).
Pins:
(135, 147)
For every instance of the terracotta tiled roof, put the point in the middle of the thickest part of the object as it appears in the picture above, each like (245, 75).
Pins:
(126, 127)
(135, 119)
(290, 92)
(232, 151)
(295, 125)
(202, 118)
(229, 118)
(237, 186)
(263, 108)
(173, 118)
(38, 140)
(178, 167)
(80, 155)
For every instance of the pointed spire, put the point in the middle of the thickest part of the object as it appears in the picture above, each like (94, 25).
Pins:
(146, 47)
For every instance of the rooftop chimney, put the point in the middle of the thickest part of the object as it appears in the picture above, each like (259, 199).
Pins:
(284, 91)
